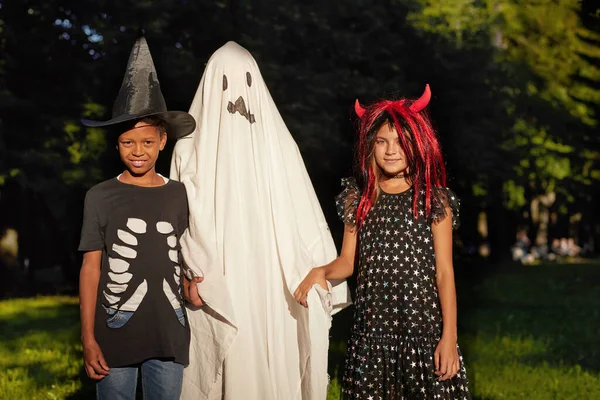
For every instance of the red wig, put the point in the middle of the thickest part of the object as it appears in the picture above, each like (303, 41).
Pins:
(418, 140)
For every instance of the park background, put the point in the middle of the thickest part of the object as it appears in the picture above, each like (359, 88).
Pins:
(516, 101)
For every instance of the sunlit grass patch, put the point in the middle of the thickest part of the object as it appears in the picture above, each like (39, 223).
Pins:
(335, 390)
(515, 368)
(40, 351)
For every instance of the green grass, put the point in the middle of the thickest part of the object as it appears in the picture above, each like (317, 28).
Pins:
(40, 351)
(533, 332)
(526, 333)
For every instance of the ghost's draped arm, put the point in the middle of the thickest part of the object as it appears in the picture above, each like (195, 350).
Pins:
(323, 252)
(179, 160)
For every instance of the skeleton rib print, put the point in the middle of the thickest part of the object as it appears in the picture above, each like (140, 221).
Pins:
(121, 277)
(166, 228)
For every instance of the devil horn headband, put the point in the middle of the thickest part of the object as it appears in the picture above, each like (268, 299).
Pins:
(415, 107)
(358, 109)
(422, 102)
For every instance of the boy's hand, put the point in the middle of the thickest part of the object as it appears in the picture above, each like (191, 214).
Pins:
(93, 361)
(446, 359)
(190, 291)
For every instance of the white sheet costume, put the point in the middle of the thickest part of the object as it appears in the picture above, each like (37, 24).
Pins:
(256, 229)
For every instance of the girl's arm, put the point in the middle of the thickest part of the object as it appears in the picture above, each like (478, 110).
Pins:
(442, 243)
(343, 266)
(340, 268)
(446, 354)
(89, 276)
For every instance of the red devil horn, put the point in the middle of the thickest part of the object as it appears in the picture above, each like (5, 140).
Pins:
(360, 111)
(422, 102)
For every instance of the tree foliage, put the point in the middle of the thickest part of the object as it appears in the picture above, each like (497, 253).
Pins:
(515, 83)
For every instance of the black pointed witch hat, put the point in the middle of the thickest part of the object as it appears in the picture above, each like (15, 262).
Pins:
(140, 96)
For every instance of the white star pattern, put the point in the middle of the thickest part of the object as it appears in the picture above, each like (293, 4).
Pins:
(397, 321)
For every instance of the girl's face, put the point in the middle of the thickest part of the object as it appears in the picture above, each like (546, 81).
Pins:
(389, 155)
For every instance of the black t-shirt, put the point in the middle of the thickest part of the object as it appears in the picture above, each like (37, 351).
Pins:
(139, 308)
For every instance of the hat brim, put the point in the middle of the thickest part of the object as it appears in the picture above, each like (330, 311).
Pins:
(179, 123)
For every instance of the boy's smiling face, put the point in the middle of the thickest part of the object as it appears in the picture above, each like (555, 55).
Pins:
(139, 148)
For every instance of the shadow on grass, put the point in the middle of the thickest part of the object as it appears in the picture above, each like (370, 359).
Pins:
(46, 319)
(87, 390)
(555, 305)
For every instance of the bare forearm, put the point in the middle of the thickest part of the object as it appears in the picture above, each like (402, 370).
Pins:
(343, 266)
(340, 268)
(447, 293)
(88, 290)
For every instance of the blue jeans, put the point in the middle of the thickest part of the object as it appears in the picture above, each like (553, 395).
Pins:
(161, 380)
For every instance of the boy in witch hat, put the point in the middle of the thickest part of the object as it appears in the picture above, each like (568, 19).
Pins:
(132, 313)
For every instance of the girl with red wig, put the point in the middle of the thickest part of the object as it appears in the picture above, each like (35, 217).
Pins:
(399, 218)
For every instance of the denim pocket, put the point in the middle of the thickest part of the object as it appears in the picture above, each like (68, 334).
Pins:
(180, 315)
(117, 318)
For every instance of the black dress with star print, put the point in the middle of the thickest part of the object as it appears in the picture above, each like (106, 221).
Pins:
(397, 320)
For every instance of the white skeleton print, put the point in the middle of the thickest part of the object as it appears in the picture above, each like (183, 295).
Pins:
(167, 229)
(139, 309)
(120, 276)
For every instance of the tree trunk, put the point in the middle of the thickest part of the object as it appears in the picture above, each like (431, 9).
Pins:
(499, 226)
(540, 216)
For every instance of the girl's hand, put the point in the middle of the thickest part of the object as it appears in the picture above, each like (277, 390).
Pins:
(446, 359)
(190, 291)
(316, 275)
(93, 360)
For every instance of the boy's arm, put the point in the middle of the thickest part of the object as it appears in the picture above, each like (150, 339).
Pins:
(190, 285)
(89, 277)
(190, 277)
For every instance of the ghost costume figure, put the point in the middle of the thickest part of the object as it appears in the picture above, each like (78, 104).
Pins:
(256, 230)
